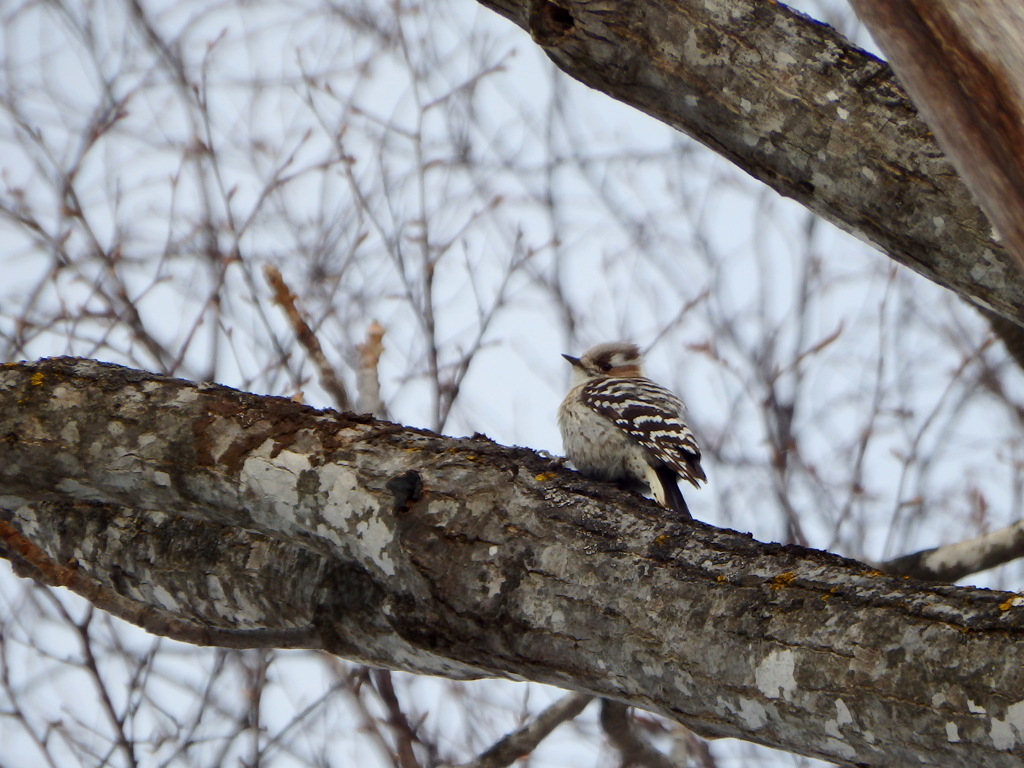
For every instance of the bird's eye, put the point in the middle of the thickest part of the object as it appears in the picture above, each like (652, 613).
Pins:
(606, 366)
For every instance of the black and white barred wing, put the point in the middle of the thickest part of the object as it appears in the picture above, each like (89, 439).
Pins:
(652, 416)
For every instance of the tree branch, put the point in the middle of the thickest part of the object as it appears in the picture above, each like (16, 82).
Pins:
(400, 548)
(286, 300)
(798, 107)
(402, 730)
(954, 561)
(963, 62)
(524, 740)
(634, 750)
(29, 561)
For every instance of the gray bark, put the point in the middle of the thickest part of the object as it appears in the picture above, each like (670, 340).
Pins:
(797, 106)
(216, 516)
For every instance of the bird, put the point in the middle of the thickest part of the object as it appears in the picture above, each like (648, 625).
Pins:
(620, 426)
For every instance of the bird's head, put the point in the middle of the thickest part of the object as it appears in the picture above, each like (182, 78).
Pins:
(614, 358)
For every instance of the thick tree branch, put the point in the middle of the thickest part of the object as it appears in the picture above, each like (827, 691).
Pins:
(400, 548)
(963, 62)
(797, 106)
(29, 561)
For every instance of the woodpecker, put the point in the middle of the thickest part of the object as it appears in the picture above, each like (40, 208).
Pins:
(618, 425)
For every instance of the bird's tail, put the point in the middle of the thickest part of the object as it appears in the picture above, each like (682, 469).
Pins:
(666, 491)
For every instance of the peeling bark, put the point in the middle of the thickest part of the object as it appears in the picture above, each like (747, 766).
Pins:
(795, 105)
(213, 514)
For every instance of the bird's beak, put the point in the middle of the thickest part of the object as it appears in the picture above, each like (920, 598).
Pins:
(574, 361)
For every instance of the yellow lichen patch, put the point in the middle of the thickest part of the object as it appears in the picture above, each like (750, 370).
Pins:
(662, 539)
(1013, 602)
(872, 572)
(829, 593)
(782, 580)
(720, 578)
(543, 477)
(37, 378)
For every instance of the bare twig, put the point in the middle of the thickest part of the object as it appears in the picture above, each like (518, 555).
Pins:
(404, 732)
(124, 743)
(367, 376)
(524, 740)
(615, 720)
(697, 749)
(285, 299)
(370, 725)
